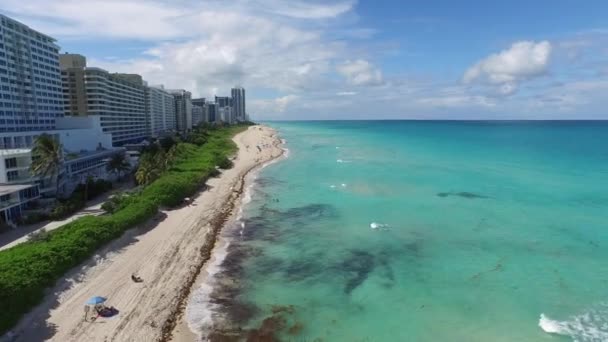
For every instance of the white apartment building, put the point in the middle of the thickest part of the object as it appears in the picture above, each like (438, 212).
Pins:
(118, 99)
(183, 109)
(30, 84)
(86, 151)
(160, 107)
(198, 115)
(226, 115)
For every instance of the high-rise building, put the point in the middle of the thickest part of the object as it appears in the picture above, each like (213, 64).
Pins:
(200, 102)
(118, 99)
(160, 107)
(30, 81)
(238, 103)
(212, 111)
(223, 101)
(183, 109)
(197, 115)
(227, 115)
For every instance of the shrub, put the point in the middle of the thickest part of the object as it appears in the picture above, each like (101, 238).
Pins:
(67, 207)
(39, 235)
(116, 203)
(34, 218)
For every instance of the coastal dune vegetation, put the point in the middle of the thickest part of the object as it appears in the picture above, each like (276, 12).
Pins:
(26, 270)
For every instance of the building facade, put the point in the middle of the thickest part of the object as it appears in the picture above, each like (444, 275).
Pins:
(212, 112)
(30, 82)
(227, 115)
(183, 109)
(160, 107)
(223, 101)
(118, 99)
(198, 114)
(238, 103)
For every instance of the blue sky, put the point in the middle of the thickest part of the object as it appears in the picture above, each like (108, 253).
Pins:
(347, 59)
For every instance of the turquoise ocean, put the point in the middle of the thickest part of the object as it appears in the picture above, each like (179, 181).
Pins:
(419, 231)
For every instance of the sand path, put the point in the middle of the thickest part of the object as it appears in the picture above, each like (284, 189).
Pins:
(165, 254)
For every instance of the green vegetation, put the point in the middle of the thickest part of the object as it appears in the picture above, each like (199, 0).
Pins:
(47, 158)
(77, 200)
(118, 164)
(26, 270)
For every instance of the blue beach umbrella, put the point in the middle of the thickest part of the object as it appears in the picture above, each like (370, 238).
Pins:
(96, 300)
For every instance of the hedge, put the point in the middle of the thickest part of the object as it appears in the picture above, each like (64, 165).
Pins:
(27, 269)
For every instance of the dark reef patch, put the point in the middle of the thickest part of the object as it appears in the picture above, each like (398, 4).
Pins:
(311, 211)
(280, 321)
(463, 194)
(268, 181)
(236, 254)
(301, 270)
(357, 267)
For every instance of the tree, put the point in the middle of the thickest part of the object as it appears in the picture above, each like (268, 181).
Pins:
(167, 143)
(148, 170)
(118, 164)
(47, 158)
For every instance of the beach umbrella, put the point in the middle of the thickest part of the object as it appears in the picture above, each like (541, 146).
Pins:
(96, 300)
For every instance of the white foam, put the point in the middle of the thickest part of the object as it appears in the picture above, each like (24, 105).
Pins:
(342, 161)
(589, 326)
(377, 225)
(332, 186)
(199, 311)
(343, 185)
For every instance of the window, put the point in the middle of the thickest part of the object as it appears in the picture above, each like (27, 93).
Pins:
(10, 163)
(12, 175)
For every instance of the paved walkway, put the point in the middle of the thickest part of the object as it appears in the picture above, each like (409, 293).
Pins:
(20, 234)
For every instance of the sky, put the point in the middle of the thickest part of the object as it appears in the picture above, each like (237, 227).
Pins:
(348, 59)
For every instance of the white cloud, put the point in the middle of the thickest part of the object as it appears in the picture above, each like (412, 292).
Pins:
(304, 10)
(455, 101)
(210, 48)
(360, 72)
(106, 18)
(523, 61)
(346, 93)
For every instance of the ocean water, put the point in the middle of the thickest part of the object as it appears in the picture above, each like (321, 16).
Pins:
(420, 231)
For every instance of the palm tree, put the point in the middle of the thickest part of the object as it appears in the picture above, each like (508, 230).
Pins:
(118, 164)
(47, 158)
(147, 171)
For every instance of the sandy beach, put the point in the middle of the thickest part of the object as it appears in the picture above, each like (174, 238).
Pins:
(168, 254)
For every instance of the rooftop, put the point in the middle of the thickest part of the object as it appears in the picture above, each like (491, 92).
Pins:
(9, 189)
(14, 151)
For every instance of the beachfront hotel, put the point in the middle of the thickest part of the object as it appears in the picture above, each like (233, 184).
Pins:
(118, 99)
(160, 109)
(183, 109)
(30, 92)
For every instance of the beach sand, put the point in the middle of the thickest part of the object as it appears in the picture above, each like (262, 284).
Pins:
(168, 254)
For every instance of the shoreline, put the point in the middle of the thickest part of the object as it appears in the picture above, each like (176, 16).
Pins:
(181, 329)
(168, 253)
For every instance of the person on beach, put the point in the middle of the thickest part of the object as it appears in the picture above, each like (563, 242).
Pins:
(136, 278)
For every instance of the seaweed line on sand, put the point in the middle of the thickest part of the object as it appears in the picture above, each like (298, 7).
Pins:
(217, 223)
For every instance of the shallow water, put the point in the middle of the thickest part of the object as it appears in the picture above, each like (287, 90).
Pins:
(424, 231)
